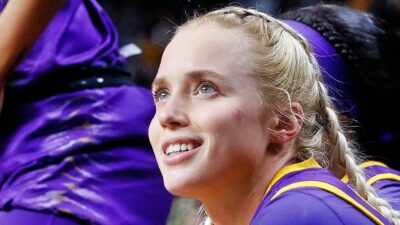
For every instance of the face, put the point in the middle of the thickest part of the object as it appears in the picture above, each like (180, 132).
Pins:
(207, 132)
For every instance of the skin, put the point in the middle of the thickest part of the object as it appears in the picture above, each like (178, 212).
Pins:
(21, 24)
(210, 100)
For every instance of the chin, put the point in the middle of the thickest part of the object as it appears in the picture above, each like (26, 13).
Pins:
(180, 188)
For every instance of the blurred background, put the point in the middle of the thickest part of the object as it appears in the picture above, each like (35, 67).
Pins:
(150, 24)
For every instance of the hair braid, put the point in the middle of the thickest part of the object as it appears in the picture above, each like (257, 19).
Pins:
(343, 157)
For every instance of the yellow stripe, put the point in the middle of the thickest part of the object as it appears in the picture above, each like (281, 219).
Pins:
(371, 163)
(345, 179)
(383, 176)
(309, 163)
(334, 190)
(364, 165)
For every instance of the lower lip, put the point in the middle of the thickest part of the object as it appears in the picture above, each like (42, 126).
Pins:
(178, 158)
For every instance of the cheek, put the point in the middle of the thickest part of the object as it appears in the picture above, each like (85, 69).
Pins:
(237, 116)
(231, 123)
(153, 133)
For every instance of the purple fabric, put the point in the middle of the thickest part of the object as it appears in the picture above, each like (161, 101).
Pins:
(24, 217)
(330, 205)
(374, 170)
(81, 34)
(333, 68)
(309, 206)
(85, 153)
(387, 189)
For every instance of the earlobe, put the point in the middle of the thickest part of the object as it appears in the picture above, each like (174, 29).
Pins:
(286, 127)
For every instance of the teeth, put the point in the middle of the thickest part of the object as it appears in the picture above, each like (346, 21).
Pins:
(179, 148)
(184, 147)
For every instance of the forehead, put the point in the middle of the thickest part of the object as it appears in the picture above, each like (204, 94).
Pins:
(207, 47)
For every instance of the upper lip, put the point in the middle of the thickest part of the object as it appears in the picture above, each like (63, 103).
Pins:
(180, 140)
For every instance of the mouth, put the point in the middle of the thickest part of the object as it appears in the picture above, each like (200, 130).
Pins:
(177, 147)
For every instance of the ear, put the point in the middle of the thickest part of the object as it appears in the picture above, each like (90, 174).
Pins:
(286, 126)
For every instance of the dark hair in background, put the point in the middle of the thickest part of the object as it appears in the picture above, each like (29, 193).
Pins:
(369, 47)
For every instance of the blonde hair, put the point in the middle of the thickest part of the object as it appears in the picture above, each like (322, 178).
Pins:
(288, 72)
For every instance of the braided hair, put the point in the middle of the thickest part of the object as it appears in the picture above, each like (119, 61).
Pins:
(368, 46)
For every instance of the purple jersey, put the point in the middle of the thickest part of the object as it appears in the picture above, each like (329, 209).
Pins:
(384, 179)
(304, 193)
(83, 154)
(80, 34)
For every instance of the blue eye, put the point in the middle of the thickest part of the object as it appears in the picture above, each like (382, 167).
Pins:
(160, 95)
(207, 87)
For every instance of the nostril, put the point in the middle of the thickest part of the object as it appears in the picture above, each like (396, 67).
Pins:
(173, 124)
(173, 119)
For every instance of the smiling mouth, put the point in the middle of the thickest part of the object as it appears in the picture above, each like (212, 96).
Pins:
(179, 148)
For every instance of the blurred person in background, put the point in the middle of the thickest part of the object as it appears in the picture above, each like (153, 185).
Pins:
(73, 137)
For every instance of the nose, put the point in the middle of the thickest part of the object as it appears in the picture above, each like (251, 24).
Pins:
(173, 116)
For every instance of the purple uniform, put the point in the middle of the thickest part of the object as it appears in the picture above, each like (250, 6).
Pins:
(305, 193)
(385, 180)
(83, 154)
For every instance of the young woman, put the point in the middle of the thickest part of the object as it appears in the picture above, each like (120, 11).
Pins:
(244, 124)
(356, 52)
(73, 127)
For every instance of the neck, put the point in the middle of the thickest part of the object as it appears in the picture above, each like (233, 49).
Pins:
(236, 204)
(236, 207)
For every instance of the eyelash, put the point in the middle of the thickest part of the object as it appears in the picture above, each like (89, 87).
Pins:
(156, 93)
(206, 81)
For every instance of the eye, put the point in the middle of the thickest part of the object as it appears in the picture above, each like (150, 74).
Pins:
(160, 94)
(207, 87)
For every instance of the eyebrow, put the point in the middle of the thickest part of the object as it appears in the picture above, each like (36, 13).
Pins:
(158, 82)
(193, 75)
(201, 74)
